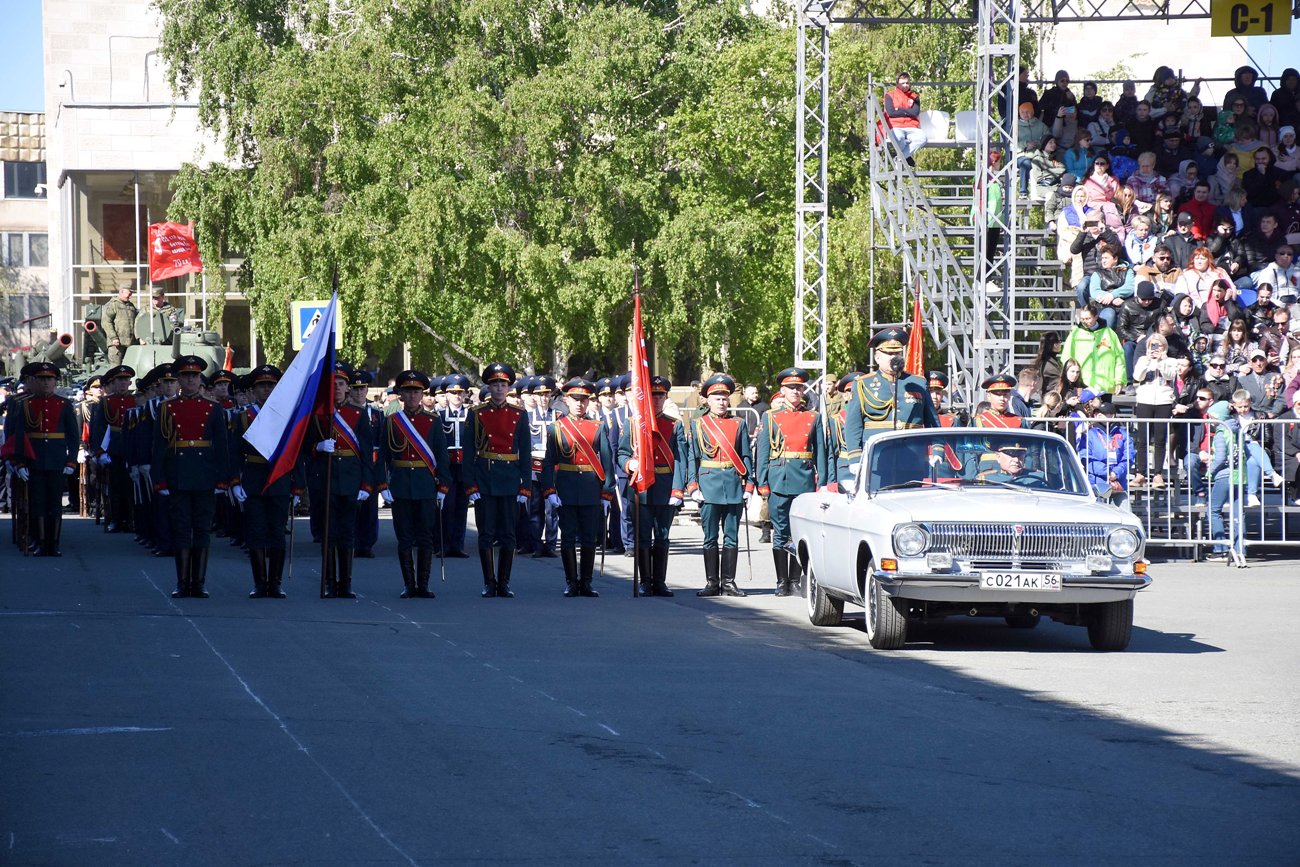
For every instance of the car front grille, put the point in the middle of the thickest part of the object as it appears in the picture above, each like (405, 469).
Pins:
(1017, 543)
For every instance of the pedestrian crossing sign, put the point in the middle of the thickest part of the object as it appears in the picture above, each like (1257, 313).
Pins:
(303, 316)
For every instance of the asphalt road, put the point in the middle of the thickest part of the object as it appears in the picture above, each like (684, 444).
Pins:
(138, 730)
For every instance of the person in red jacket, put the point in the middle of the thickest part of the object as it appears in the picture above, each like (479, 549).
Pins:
(903, 114)
(1201, 209)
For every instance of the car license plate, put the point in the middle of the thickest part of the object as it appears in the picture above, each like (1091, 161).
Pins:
(1035, 581)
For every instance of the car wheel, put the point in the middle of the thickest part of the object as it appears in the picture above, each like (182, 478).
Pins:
(886, 620)
(1111, 625)
(1022, 621)
(823, 610)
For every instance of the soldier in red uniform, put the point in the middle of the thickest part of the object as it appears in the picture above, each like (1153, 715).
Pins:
(998, 390)
(938, 382)
(109, 445)
(190, 468)
(498, 468)
(44, 435)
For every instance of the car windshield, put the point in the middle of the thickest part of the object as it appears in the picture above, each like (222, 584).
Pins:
(955, 459)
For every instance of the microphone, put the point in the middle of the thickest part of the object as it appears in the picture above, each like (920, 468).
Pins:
(896, 364)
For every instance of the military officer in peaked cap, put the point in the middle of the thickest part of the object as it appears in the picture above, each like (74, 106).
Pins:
(886, 399)
(41, 441)
(367, 512)
(166, 387)
(191, 467)
(543, 523)
(499, 470)
(108, 445)
(720, 477)
(608, 411)
(997, 390)
(837, 449)
(455, 433)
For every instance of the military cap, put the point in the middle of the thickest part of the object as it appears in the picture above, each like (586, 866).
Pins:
(499, 371)
(437, 384)
(266, 373)
(205, 380)
(189, 364)
(43, 368)
(622, 382)
(792, 376)
(28, 369)
(1000, 383)
(526, 384)
(118, 372)
(412, 379)
(360, 378)
(93, 382)
(482, 393)
(579, 387)
(546, 384)
(242, 383)
(456, 382)
(1011, 445)
(223, 376)
(7, 382)
(660, 385)
(342, 371)
(937, 380)
(604, 385)
(847, 380)
(892, 339)
(719, 383)
(163, 371)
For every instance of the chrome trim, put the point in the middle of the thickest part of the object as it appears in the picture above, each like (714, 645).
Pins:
(1017, 542)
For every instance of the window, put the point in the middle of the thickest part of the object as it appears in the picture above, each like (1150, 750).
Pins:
(13, 251)
(24, 250)
(38, 250)
(22, 180)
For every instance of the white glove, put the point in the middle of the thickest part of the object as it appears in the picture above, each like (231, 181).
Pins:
(239, 493)
(441, 499)
(604, 504)
(362, 496)
(103, 460)
(553, 500)
(164, 493)
(745, 495)
(23, 473)
(849, 485)
(146, 471)
(134, 474)
(387, 496)
(295, 500)
(697, 496)
(326, 446)
(220, 493)
(674, 501)
(522, 499)
(473, 498)
(632, 466)
(81, 456)
(67, 471)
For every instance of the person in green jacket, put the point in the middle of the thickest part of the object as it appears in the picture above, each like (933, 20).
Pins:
(1099, 351)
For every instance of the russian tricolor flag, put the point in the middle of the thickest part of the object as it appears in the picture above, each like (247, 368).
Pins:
(306, 390)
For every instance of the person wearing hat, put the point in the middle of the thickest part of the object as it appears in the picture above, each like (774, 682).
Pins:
(265, 509)
(886, 399)
(41, 438)
(539, 526)
(500, 476)
(610, 412)
(720, 478)
(414, 458)
(342, 460)
(87, 486)
(791, 461)
(191, 465)
(1058, 198)
(163, 319)
(1010, 465)
(456, 435)
(577, 479)
(838, 458)
(937, 381)
(997, 391)
(1181, 242)
(619, 523)
(108, 446)
(658, 504)
(117, 320)
(367, 532)
(158, 521)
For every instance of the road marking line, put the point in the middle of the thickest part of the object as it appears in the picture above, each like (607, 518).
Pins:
(608, 729)
(491, 666)
(575, 710)
(748, 802)
(12, 839)
(95, 730)
(170, 836)
(545, 696)
(658, 755)
(817, 839)
(701, 776)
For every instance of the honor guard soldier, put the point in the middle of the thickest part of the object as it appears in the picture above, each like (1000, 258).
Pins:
(620, 515)
(544, 521)
(41, 436)
(159, 521)
(367, 533)
(414, 456)
(90, 477)
(659, 504)
(109, 446)
(998, 393)
(218, 390)
(499, 469)
(885, 399)
(190, 468)
(455, 433)
(791, 458)
(266, 510)
(607, 411)
(343, 449)
(837, 450)
(937, 380)
(578, 480)
(222, 383)
(720, 478)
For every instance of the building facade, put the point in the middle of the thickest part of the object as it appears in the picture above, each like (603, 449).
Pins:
(24, 234)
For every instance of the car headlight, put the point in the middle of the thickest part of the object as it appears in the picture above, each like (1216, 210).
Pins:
(1123, 542)
(910, 540)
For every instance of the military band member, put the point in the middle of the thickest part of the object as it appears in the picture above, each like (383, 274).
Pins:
(499, 474)
(414, 456)
(367, 533)
(455, 432)
(791, 459)
(997, 391)
(42, 435)
(720, 477)
(109, 446)
(342, 448)
(659, 504)
(872, 408)
(191, 467)
(265, 509)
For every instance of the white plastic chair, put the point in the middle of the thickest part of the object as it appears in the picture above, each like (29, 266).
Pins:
(935, 125)
(966, 125)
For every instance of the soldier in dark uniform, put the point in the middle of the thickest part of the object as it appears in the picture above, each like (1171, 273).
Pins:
(159, 520)
(86, 485)
(341, 447)
(659, 504)
(544, 521)
(606, 411)
(109, 446)
(997, 391)
(45, 435)
(837, 450)
(368, 512)
(578, 479)
(720, 477)
(265, 509)
(791, 459)
(455, 432)
(191, 466)
(414, 456)
(526, 542)
(872, 405)
(498, 466)
(217, 389)
(1010, 468)
(137, 448)
(620, 514)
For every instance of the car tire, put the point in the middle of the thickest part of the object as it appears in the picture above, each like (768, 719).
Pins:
(1111, 625)
(886, 621)
(1023, 621)
(823, 610)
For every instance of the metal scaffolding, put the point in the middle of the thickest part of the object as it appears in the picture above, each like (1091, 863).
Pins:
(812, 208)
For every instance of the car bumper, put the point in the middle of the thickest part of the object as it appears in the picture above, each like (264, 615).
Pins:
(1075, 589)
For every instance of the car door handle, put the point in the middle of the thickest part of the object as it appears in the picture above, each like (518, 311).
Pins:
(824, 506)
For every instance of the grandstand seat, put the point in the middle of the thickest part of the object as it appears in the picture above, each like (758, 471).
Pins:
(967, 125)
(935, 125)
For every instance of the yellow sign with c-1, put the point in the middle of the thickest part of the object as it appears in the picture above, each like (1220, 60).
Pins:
(1249, 18)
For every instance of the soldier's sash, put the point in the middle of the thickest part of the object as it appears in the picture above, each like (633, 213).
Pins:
(580, 444)
(724, 444)
(663, 453)
(346, 433)
(417, 442)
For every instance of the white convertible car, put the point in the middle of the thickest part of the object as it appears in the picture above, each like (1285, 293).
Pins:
(970, 521)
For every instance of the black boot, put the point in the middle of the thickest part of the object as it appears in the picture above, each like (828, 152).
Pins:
(782, 561)
(569, 558)
(587, 564)
(645, 574)
(423, 569)
(344, 590)
(728, 572)
(54, 527)
(406, 562)
(795, 572)
(711, 587)
(182, 590)
(489, 573)
(331, 575)
(505, 561)
(275, 574)
(256, 558)
(765, 537)
(659, 569)
(198, 572)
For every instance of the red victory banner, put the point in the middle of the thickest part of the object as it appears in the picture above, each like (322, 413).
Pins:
(642, 407)
(916, 344)
(172, 251)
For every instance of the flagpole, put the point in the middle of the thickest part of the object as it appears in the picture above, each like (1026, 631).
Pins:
(326, 560)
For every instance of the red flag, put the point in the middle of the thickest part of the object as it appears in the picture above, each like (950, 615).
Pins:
(643, 412)
(230, 359)
(172, 251)
(916, 344)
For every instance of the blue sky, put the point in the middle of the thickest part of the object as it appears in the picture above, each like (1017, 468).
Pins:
(21, 66)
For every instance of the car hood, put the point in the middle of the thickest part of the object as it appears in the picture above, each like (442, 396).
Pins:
(982, 504)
